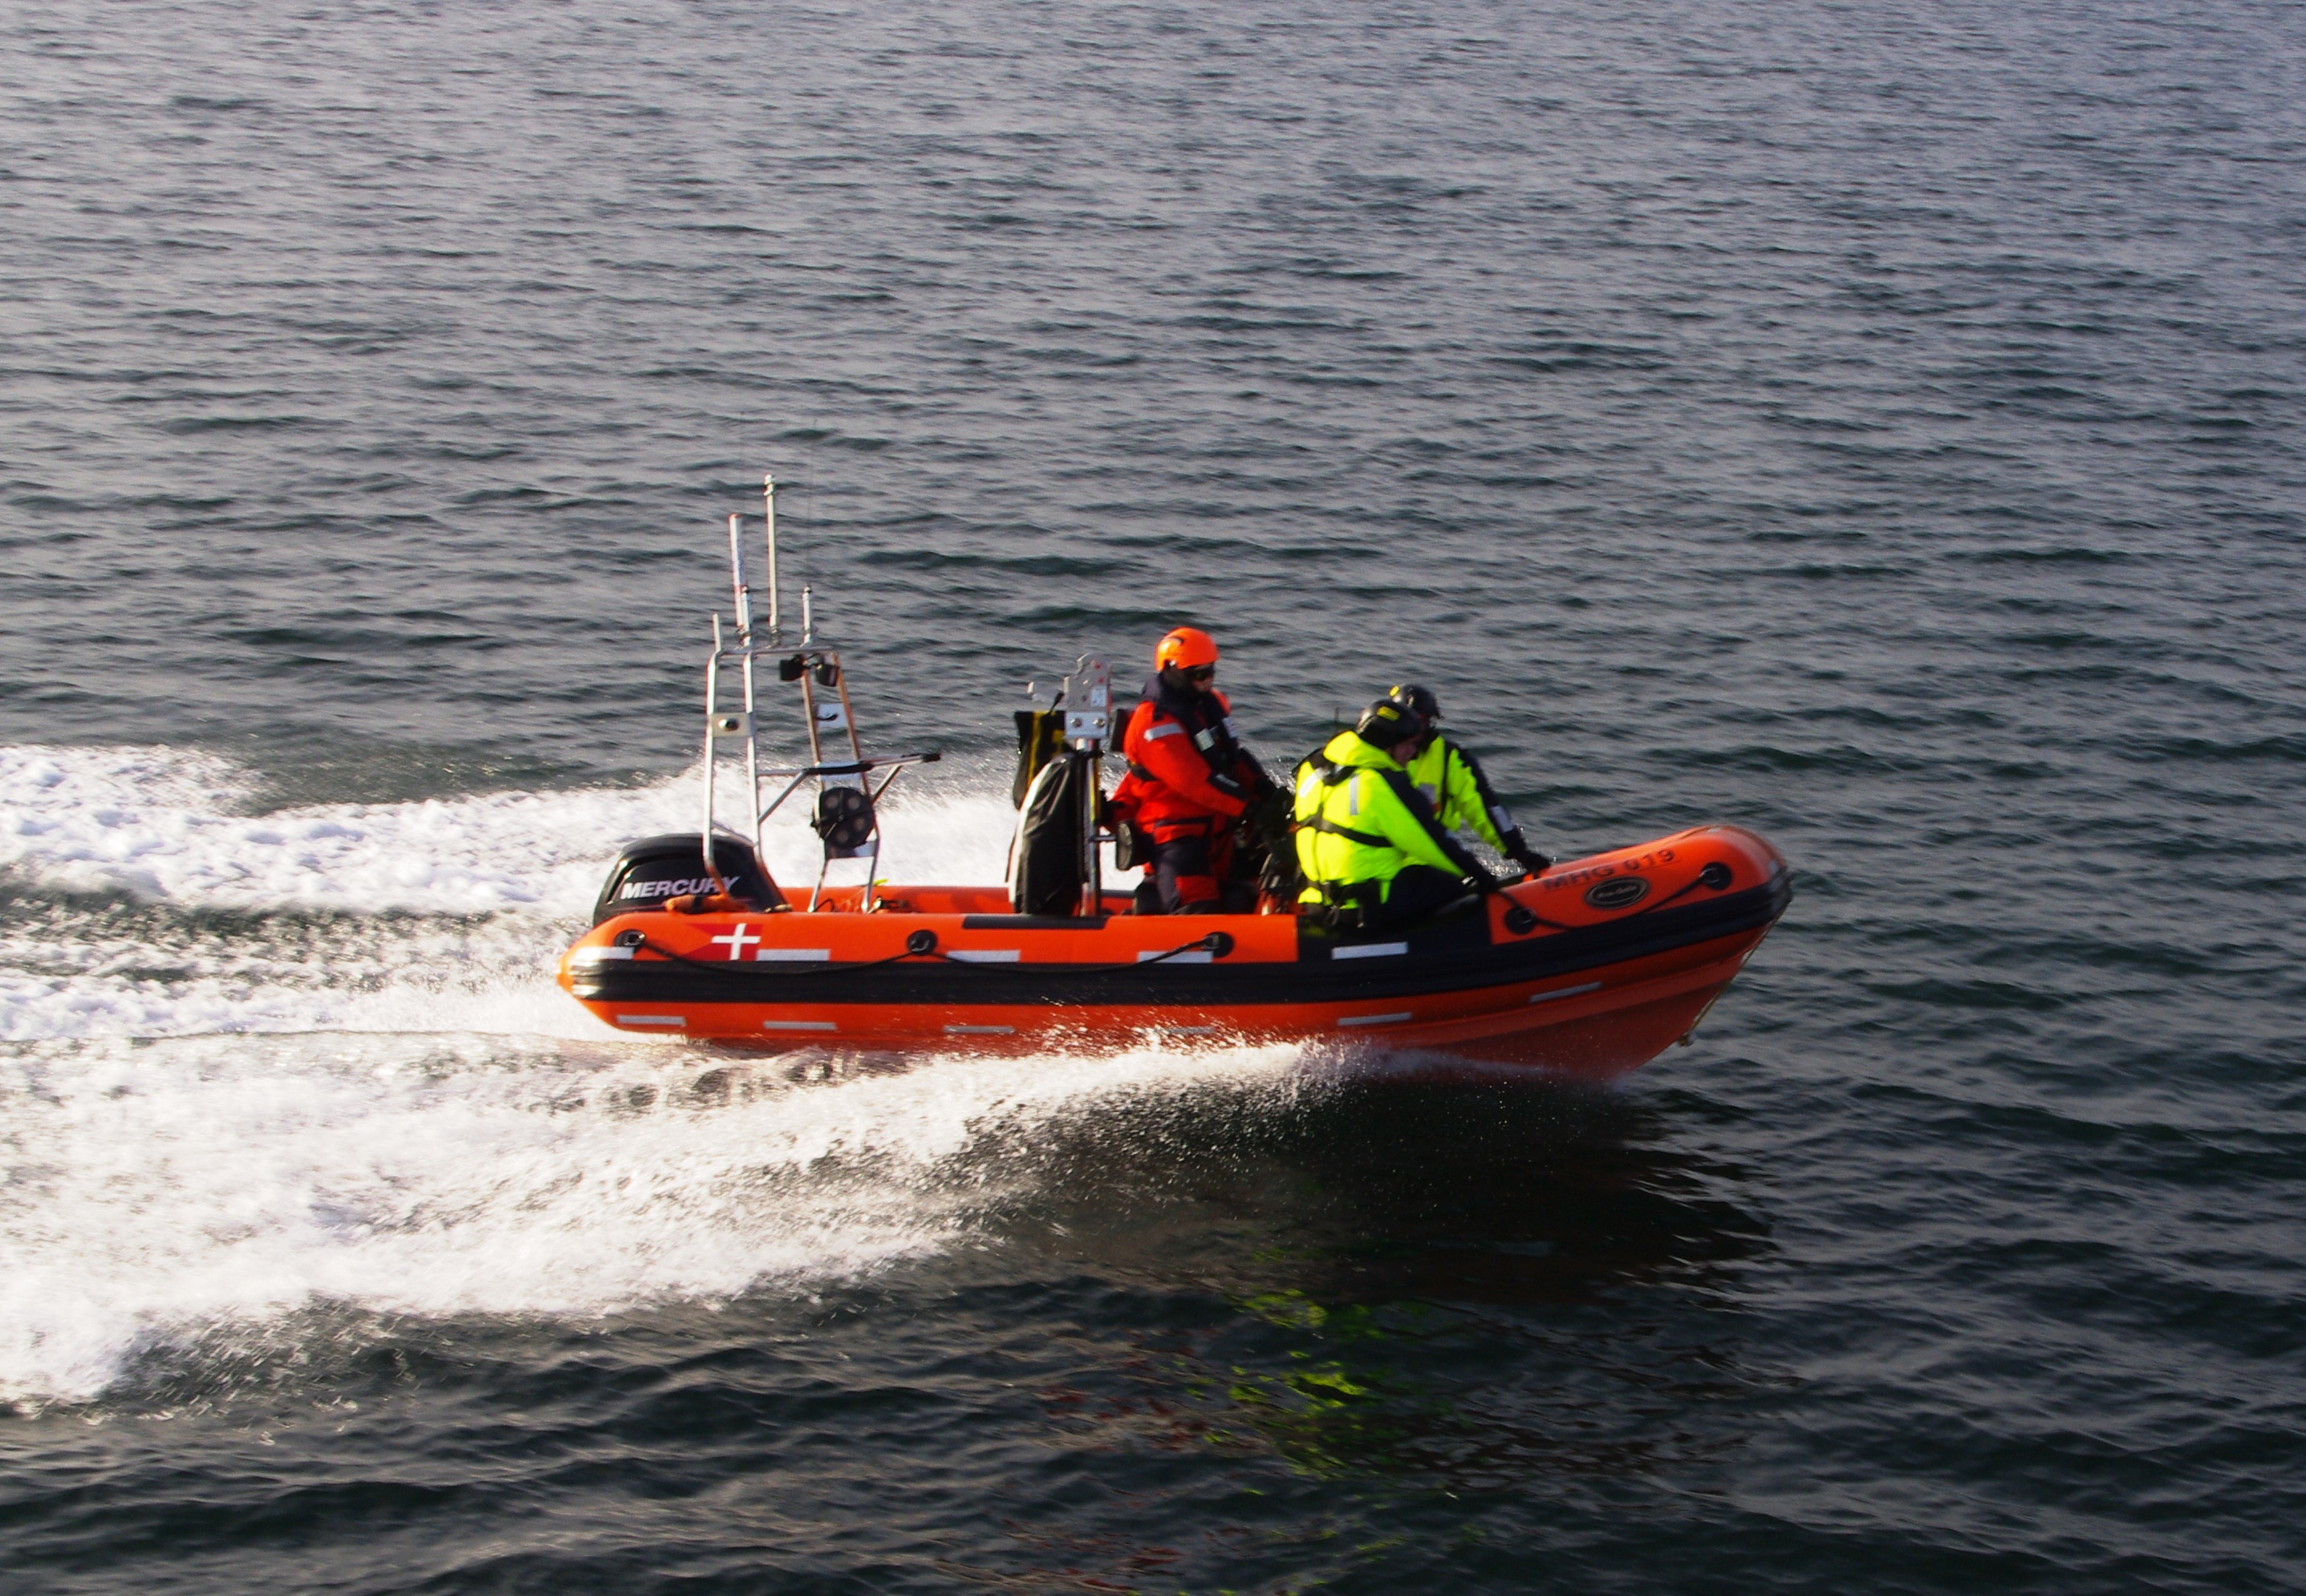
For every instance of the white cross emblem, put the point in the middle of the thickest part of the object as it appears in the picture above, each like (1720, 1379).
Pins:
(736, 940)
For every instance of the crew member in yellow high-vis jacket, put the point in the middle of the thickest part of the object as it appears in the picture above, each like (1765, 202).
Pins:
(1454, 783)
(1372, 853)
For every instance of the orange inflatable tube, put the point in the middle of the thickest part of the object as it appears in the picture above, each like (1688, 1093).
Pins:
(1591, 969)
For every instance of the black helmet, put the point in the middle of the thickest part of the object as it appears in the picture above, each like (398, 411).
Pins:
(1389, 722)
(1421, 699)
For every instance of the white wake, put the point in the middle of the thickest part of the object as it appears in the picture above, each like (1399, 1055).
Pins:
(442, 915)
(254, 1064)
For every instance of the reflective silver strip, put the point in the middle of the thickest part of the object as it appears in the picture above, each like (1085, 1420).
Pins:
(980, 1030)
(986, 955)
(1371, 949)
(652, 1020)
(598, 955)
(1547, 997)
(1164, 729)
(797, 1025)
(1177, 957)
(1376, 1018)
(798, 955)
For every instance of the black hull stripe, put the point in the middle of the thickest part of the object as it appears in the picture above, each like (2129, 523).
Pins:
(1442, 959)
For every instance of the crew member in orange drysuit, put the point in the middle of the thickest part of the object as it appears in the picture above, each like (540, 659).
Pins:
(1188, 780)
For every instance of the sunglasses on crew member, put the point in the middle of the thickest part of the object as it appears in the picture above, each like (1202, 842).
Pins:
(1201, 673)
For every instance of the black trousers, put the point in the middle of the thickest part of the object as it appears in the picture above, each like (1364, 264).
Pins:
(1195, 872)
(1419, 892)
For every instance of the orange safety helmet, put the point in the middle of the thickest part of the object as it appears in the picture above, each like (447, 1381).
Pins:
(1185, 647)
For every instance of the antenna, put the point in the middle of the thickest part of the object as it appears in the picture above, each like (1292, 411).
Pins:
(739, 588)
(847, 788)
(712, 732)
(769, 502)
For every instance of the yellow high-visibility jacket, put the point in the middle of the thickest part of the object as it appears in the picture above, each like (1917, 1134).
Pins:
(1462, 797)
(1361, 822)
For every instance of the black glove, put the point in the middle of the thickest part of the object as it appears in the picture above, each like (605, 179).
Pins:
(1266, 817)
(1483, 882)
(1521, 853)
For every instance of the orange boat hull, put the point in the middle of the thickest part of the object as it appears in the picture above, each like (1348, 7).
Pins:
(1590, 969)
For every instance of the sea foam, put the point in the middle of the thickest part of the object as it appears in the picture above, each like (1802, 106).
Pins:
(446, 914)
(177, 1194)
(259, 1063)
(170, 825)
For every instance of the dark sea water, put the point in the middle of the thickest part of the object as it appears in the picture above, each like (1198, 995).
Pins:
(1878, 425)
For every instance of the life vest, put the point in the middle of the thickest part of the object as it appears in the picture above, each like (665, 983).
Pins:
(1185, 766)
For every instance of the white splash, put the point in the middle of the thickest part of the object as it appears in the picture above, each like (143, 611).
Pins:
(442, 915)
(163, 1194)
(358, 1086)
(166, 826)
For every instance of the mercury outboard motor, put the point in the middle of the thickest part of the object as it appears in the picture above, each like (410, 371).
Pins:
(655, 868)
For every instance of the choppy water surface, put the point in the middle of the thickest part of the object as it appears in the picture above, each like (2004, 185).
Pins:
(1874, 425)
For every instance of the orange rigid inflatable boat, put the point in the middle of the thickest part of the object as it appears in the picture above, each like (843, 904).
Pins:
(1590, 968)
(1621, 956)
